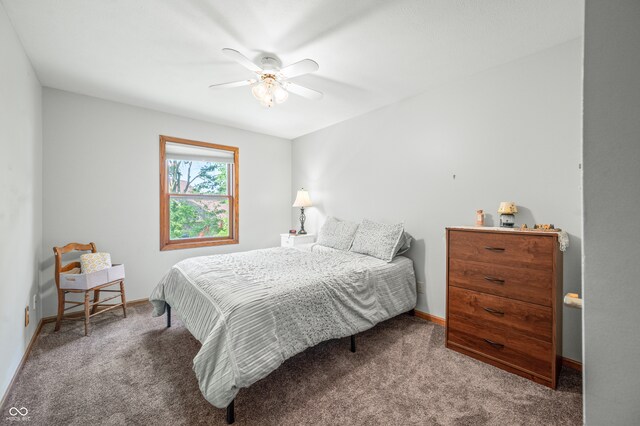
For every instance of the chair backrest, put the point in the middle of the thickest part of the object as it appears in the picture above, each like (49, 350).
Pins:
(59, 251)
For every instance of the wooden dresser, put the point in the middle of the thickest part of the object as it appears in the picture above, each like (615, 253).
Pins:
(504, 300)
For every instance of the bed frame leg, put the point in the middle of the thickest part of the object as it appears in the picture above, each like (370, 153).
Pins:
(231, 415)
(168, 315)
(353, 343)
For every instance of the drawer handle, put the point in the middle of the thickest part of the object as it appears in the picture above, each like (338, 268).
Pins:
(494, 248)
(494, 280)
(493, 311)
(494, 344)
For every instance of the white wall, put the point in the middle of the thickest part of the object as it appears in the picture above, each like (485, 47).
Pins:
(509, 133)
(20, 198)
(101, 184)
(611, 208)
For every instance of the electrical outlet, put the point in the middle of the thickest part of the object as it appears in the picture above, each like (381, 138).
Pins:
(420, 287)
(26, 316)
(34, 302)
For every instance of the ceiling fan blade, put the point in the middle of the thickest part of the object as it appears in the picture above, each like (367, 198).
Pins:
(303, 91)
(242, 60)
(302, 67)
(233, 84)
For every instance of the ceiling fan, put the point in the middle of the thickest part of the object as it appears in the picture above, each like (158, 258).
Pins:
(271, 85)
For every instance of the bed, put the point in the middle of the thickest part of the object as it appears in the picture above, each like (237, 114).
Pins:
(253, 310)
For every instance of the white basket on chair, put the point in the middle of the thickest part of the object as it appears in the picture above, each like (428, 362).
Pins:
(71, 281)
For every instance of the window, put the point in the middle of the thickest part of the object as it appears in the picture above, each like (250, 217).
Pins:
(198, 194)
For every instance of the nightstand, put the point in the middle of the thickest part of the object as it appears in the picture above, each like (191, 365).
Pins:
(290, 240)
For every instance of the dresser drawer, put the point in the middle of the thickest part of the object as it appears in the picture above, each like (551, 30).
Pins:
(286, 241)
(514, 349)
(528, 285)
(502, 248)
(296, 241)
(501, 313)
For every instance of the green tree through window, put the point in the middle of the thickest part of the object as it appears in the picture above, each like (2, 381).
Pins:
(198, 217)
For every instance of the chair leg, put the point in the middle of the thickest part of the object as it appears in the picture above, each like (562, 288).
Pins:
(86, 313)
(96, 298)
(123, 298)
(61, 295)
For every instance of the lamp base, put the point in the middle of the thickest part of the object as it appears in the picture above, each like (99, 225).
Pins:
(507, 220)
(302, 219)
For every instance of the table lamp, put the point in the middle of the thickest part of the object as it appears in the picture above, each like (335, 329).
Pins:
(302, 201)
(507, 210)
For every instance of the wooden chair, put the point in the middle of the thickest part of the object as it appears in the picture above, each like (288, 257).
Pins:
(88, 305)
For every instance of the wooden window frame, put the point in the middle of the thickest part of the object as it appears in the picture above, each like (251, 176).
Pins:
(234, 214)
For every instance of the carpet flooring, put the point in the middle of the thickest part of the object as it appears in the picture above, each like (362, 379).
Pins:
(135, 371)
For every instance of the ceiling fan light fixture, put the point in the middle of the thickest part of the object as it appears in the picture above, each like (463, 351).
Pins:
(267, 101)
(259, 90)
(280, 94)
(269, 91)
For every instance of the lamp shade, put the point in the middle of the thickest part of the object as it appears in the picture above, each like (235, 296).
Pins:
(302, 199)
(507, 207)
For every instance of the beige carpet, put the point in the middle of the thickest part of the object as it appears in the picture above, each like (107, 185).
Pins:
(135, 371)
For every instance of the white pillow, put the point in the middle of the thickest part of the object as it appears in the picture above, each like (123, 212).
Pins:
(337, 234)
(405, 243)
(378, 239)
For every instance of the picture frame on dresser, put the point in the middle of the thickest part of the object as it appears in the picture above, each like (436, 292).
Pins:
(504, 300)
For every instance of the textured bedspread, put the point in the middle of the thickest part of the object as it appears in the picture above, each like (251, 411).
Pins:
(253, 310)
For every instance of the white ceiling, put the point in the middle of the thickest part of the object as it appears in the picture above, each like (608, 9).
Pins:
(163, 54)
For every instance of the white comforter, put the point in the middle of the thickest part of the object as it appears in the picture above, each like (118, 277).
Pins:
(253, 310)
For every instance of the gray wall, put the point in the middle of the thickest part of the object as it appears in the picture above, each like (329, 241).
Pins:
(20, 198)
(101, 184)
(510, 133)
(611, 208)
